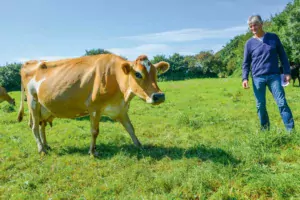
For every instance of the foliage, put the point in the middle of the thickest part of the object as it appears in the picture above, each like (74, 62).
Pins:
(292, 32)
(10, 78)
(187, 67)
(96, 52)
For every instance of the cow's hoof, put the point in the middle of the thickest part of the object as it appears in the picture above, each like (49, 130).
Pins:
(42, 151)
(43, 154)
(138, 144)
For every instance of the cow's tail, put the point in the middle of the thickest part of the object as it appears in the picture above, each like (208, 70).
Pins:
(21, 110)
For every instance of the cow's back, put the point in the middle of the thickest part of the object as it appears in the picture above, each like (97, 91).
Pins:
(67, 87)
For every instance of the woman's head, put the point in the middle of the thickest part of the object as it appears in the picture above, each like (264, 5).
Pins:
(254, 19)
(255, 24)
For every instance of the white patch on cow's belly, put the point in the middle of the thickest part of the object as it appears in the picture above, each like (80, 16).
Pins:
(33, 86)
(45, 114)
(113, 110)
(33, 103)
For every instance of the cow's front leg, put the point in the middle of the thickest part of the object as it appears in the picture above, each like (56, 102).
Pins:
(94, 118)
(125, 121)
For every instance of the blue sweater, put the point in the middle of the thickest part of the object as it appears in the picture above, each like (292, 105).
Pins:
(263, 56)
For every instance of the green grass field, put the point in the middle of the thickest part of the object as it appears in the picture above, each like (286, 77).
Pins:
(202, 143)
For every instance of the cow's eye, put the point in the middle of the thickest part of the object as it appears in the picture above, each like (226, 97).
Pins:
(138, 75)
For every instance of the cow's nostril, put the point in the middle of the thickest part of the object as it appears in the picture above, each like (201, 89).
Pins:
(158, 97)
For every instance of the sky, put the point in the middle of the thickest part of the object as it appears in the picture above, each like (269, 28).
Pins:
(57, 29)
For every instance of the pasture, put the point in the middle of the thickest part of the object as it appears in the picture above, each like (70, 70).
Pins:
(202, 143)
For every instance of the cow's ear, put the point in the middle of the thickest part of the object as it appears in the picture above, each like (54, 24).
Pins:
(162, 67)
(126, 68)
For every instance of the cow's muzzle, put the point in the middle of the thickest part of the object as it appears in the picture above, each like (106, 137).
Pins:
(157, 98)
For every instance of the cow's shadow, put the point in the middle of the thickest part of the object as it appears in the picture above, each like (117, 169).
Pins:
(103, 119)
(201, 152)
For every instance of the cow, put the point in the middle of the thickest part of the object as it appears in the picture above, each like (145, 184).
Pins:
(4, 96)
(295, 72)
(88, 86)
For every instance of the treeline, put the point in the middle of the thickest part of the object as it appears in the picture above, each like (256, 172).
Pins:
(182, 67)
(225, 63)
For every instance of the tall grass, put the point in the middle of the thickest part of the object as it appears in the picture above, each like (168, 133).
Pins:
(202, 143)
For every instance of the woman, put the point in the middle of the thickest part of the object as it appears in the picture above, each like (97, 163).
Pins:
(262, 52)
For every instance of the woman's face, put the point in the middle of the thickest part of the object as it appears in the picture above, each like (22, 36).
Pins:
(255, 28)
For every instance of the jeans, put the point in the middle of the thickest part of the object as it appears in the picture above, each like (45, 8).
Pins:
(274, 84)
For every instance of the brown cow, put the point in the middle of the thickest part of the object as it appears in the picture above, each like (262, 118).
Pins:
(4, 96)
(91, 85)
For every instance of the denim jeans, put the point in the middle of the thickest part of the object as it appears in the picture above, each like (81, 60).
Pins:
(274, 84)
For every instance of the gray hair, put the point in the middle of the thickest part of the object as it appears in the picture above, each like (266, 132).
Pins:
(253, 19)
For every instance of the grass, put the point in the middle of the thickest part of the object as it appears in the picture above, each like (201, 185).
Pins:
(202, 143)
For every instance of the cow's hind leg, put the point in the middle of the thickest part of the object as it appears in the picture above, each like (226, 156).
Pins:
(125, 121)
(34, 108)
(43, 134)
(30, 120)
(94, 118)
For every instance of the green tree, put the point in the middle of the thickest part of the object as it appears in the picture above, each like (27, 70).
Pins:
(10, 77)
(208, 63)
(159, 58)
(96, 52)
(292, 32)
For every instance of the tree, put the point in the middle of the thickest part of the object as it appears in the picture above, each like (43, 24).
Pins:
(96, 52)
(293, 34)
(208, 63)
(10, 77)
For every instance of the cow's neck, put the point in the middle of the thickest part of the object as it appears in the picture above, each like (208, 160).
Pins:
(125, 88)
(128, 95)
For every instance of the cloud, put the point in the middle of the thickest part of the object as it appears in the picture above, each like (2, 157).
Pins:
(162, 49)
(186, 35)
(167, 43)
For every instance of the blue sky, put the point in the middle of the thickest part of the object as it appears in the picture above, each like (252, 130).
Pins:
(55, 29)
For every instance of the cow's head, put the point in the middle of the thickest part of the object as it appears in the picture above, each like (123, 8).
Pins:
(143, 79)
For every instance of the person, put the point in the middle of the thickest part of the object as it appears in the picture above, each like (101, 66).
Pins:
(261, 52)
